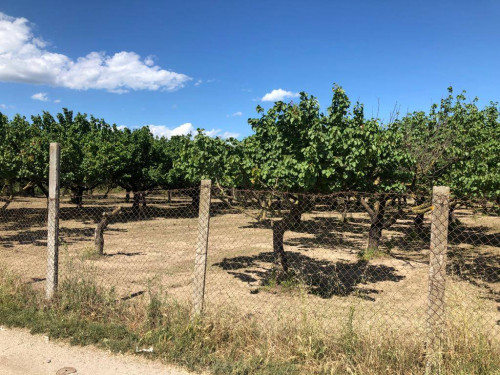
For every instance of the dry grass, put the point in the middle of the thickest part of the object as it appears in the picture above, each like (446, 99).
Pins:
(229, 343)
(153, 254)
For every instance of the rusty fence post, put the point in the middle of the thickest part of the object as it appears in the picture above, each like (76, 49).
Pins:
(200, 263)
(437, 279)
(53, 222)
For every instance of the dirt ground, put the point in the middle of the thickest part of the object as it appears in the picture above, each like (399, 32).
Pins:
(152, 251)
(24, 354)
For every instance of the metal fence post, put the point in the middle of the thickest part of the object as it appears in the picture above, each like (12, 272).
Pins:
(437, 278)
(53, 222)
(200, 263)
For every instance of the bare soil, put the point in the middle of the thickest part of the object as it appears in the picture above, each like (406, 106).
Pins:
(22, 353)
(152, 251)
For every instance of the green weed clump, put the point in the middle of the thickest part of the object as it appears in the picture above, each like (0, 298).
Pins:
(291, 283)
(225, 342)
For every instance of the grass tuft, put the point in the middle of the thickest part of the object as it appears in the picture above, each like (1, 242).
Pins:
(371, 253)
(90, 253)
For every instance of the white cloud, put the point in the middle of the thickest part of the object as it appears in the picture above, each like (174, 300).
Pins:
(164, 131)
(279, 95)
(213, 132)
(57, 101)
(149, 61)
(217, 133)
(235, 114)
(24, 58)
(230, 135)
(200, 81)
(3, 106)
(42, 96)
(185, 129)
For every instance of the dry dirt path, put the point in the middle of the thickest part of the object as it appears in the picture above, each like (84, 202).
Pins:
(24, 354)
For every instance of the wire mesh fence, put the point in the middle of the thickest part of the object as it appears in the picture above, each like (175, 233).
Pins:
(133, 245)
(473, 264)
(324, 257)
(23, 237)
(138, 248)
(395, 262)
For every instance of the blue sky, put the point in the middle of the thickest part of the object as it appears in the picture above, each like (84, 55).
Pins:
(209, 63)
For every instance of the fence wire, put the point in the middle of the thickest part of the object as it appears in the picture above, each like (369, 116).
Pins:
(277, 256)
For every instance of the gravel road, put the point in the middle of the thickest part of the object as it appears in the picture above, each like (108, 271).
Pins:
(24, 354)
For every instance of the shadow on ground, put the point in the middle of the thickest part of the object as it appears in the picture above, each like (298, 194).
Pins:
(322, 278)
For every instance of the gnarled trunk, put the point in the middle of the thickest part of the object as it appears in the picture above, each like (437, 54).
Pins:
(344, 203)
(279, 227)
(264, 203)
(377, 222)
(101, 227)
(43, 190)
(280, 258)
(375, 235)
(452, 218)
(106, 193)
(194, 194)
(77, 196)
(29, 189)
(418, 221)
(10, 189)
(302, 205)
(139, 200)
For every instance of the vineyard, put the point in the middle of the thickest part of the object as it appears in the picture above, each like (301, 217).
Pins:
(325, 221)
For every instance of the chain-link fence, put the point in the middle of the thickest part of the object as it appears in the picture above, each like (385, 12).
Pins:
(130, 242)
(274, 254)
(397, 262)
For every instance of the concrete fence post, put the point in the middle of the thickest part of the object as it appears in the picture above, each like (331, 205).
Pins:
(437, 279)
(53, 222)
(200, 263)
